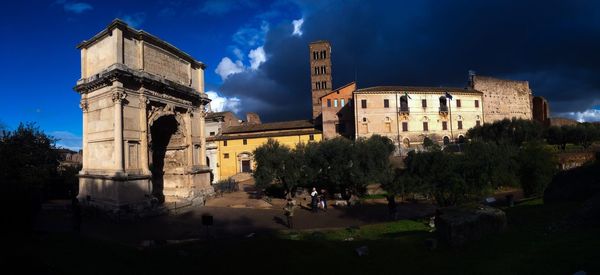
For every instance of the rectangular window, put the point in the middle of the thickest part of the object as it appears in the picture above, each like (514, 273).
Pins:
(224, 142)
(315, 55)
(316, 70)
(476, 103)
(459, 124)
(388, 127)
(477, 123)
(342, 102)
(324, 70)
(424, 103)
(458, 103)
(324, 54)
(363, 103)
(311, 137)
(212, 133)
(386, 103)
(444, 125)
(324, 85)
(328, 102)
(226, 155)
(350, 102)
(425, 126)
(335, 103)
(318, 86)
(404, 126)
(245, 141)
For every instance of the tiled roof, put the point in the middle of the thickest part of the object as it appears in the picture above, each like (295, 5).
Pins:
(273, 126)
(338, 89)
(417, 89)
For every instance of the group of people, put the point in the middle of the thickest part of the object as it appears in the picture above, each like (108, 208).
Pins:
(318, 201)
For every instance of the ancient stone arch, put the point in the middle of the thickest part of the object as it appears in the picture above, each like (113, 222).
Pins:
(143, 105)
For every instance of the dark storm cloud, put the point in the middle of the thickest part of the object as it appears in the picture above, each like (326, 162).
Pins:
(552, 44)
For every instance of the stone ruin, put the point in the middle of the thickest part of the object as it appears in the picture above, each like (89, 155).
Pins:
(143, 106)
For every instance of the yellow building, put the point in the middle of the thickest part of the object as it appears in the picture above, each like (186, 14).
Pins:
(236, 144)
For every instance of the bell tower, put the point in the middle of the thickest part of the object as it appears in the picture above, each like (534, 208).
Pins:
(320, 74)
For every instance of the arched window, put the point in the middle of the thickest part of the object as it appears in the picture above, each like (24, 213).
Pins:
(461, 139)
(446, 140)
(406, 142)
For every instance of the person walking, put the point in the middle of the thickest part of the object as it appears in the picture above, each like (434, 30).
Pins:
(289, 213)
(314, 199)
(324, 199)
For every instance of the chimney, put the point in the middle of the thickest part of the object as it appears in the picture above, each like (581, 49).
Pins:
(471, 79)
(252, 118)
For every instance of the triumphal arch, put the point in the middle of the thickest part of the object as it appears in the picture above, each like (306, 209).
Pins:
(143, 106)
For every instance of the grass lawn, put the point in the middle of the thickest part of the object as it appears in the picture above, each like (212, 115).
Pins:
(527, 247)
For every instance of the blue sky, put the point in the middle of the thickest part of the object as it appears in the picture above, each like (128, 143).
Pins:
(257, 51)
(42, 63)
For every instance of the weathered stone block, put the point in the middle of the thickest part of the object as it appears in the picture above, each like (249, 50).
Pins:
(459, 225)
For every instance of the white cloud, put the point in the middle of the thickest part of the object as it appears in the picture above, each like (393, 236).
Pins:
(67, 140)
(221, 103)
(75, 7)
(589, 115)
(251, 36)
(135, 20)
(298, 26)
(238, 53)
(226, 67)
(257, 57)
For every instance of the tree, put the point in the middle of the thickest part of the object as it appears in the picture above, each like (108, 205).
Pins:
(337, 159)
(430, 145)
(27, 163)
(515, 131)
(556, 135)
(537, 166)
(270, 161)
(489, 165)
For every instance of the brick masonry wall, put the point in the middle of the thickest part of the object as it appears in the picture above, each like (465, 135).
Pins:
(314, 78)
(504, 98)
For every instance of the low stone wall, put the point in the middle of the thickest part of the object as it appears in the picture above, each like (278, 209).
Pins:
(572, 160)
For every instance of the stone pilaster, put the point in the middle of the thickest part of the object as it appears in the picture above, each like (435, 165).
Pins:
(118, 96)
(84, 158)
(144, 134)
(202, 137)
(188, 137)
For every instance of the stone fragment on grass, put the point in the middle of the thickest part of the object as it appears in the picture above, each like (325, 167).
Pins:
(459, 225)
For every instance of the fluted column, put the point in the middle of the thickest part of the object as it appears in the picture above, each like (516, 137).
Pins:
(118, 96)
(144, 135)
(84, 158)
